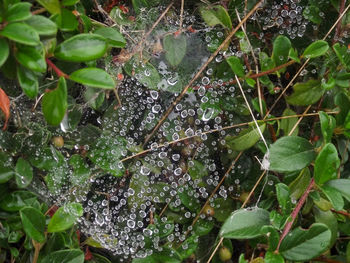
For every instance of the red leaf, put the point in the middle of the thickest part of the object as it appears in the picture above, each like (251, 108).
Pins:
(5, 106)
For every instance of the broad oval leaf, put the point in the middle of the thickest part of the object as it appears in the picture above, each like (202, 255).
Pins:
(175, 48)
(93, 77)
(27, 36)
(246, 138)
(326, 164)
(245, 223)
(280, 52)
(291, 153)
(28, 82)
(216, 15)
(42, 25)
(4, 51)
(113, 36)
(53, 6)
(64, 256)
(329, 219)
(33, 222)
(18, 12)
(66, 21)
(316, 49)
(236, 66)
(334, 196)
(299, 185)
(342, 185)
(54, 103)
(65, 217)
(306, 93)
(31, 58)
(288, 124)
(304, 245)
(24, 173)
(17, 200)
(82, 47)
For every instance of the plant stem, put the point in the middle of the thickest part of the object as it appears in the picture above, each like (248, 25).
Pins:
(56, 69)
(295, 212)
(344, 213)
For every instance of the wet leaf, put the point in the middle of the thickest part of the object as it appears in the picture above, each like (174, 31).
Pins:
(24, 173)
(223, 208)
(65, 217)
(148, 75)
(316, 49)
(113, 36)
(6, 173)
(54, 103)
(42, 25)
(53, 6)
(4, 51)
(328, 124)
(28, 82)
(288, 124)
(326, 164)
(283, 197)
(306, 93)
(17, 200)
(33, 222)
(290, 154)
(280, 52)
(93, 77)
(82, 47)
(28, 35)
(236, 66)
(18, 12)
(299, 185)
(64, 256)
(5, 106)
(216, 15)
(175, 48)
(188, 200)
(342, 53)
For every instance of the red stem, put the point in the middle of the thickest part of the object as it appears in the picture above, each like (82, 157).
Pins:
(295, 212)
(56, 69)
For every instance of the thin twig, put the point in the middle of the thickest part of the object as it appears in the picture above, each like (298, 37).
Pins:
(184, 91)
(298, 122)
(338, 28)
(344, 213)
(181, 15)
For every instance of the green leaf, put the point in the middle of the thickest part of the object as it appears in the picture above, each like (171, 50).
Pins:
(138, 186)
(342, 54)
(53, 6)
(4, 51)
(6, 173)
(31, 58)
(69, 2)
(300, 184)
(312, 13)
(245, 224)
(65, 217)
(328, 124)
(24, 173)
(188, 247)
(343, 102)
(167, 255)
(236, 66)
(33, 222)
(306, 93)
(326, 164)
(197, 171)
(113, 36)
(42, 25)
(216, 15)
(334, 196)
(328, 218)
(246, 138)
(342, 185)
(316, 49)
(175, 48)
(28, 82)
(288, 124)
(64, 256)
(271, 257)
(148, 76)
(283, 197)
(54, 103)
(187, 198)
(139, 4)
(93, 77)
(18, 12)
(82, 47)
(290, 154)
(203, 227)
(17, 200)
(81, 172)
(95, 97)
(304, 245)
(293, 54)
(223, 208)
(66, 21)
(28, 35)
(280, 52)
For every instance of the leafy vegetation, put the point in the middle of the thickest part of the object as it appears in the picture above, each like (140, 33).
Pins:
(187, 131)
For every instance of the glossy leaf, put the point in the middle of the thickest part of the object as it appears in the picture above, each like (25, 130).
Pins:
(245, 224)
(188, 200)
(283, 197)
(28, 35)
(328, 124)
(113, 36)
(93, 77)
(28, 82)
(280, 52)
(31, 58)
(290, 154)
(236, 66)
(342, 54)
(271, 257)
(18, 12)
(246, 138)
(300, 184)
(216, 15)
(223, 208)
(4, 51)
(316, 49)
(148, 75)
(288, 124)
(42, 25)
(326, 164)
(329, 219)
(65, 217)
(64, 256)
(304, 245)
(175, 48)
(66, 21)
(6, 173)
(342, 185)
(334, 196)
(17, 200)
(343, 102)
(53, 6)
(188, 247)
(69, 2)
(54, 103)
(293, 54)
(306, 93)
(5, 106)
(82, 47)
(33, 222)
(24, 173)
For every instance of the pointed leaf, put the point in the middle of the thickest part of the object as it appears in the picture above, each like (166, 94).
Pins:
(65, 217)
(113, 36)
(245, 224)
(216, 15)
(93, 77)
(42, 25)
(306, 93)
(290, 154)
(280, 52)
(326, 164)
(27, 36)
(5, 106)
(54, 103)
(316, 49)
(236, 66)
(82, 47)
(18, 12)
(4, 51)
(33, 222)
(24, 173)
(175, 48)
